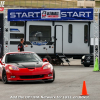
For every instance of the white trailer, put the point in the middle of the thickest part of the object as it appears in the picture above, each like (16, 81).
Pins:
(60, 33)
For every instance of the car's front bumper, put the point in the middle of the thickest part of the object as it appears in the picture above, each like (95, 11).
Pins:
(28, 75)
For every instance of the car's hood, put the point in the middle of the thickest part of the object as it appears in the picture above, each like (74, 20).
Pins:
(28, 64)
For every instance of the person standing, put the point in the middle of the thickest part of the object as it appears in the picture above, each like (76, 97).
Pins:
(21, 45)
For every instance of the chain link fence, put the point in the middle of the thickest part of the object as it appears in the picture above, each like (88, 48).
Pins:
(44, 3)
(41, 3)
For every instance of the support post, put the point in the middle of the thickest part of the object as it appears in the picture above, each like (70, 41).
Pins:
(96, 34)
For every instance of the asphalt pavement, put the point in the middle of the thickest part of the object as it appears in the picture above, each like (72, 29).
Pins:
(67, 86)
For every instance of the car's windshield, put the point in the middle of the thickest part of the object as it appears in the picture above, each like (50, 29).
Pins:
(22, 57)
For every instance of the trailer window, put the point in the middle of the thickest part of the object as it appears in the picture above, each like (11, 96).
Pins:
(70, 33)
(16, 36)
(85, 33)
(39, 33)
(16, 23)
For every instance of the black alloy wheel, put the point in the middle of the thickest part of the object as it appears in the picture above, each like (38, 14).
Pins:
(4, 77)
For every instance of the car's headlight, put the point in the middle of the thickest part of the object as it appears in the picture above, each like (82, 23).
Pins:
(48, 66)
(83, 57)
(13, 68)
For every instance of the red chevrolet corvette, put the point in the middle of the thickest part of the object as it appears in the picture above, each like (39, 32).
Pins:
(25, 66)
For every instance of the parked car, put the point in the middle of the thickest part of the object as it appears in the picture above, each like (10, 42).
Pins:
(87, 60)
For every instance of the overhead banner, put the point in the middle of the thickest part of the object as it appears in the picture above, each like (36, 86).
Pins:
(50, 14)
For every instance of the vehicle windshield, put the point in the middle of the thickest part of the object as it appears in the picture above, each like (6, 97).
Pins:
(22, 57)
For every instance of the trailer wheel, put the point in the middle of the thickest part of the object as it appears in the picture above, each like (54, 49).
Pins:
(58, 62)
(86, 65)
(49, 59)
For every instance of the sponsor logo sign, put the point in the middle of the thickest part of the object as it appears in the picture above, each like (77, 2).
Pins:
(39, 43)
(50, 14)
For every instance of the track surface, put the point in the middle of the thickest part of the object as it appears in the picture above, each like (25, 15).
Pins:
(68, 82)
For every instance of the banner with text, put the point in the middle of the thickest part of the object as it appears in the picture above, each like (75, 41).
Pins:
(50, 14)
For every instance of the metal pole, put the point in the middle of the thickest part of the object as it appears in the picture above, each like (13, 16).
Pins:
(61, 3)
(98, 39)
(55, 3)
(8, 2)
(25, 3)
(73, 4)
(31, 3)
(19, 3)
(67, 4)
(94, 51)
(96, 34)
(14, 2)
(37, 3)
(84, 4)
(49, 3)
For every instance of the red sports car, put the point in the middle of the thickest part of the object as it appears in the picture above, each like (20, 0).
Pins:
(25, 66)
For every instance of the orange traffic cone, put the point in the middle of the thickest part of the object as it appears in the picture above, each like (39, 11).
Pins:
(84, 90)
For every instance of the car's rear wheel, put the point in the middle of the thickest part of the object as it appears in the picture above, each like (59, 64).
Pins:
(86, 65)
(50, 81)
(4, 77)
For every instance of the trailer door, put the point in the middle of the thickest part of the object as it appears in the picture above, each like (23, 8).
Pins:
(59, 39)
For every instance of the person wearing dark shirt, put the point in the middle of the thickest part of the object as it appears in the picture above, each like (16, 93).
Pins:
(21, 45)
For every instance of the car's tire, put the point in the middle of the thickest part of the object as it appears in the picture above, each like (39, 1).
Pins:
(49, 59)
(86, 65)
(50, 81)
(4, 77)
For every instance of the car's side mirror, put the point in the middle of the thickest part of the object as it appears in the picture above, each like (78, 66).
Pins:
(1, 62)
(45, 60)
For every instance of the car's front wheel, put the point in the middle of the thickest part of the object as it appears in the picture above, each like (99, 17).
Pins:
(50, 81)
(4, 77)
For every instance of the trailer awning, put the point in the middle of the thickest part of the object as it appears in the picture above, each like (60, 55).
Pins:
(71, 14)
